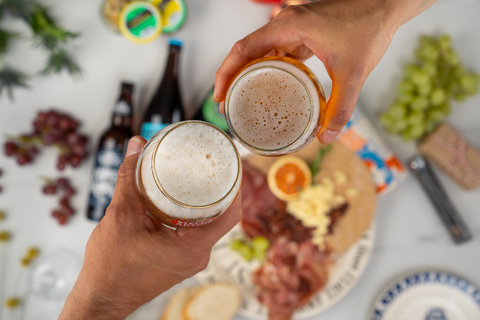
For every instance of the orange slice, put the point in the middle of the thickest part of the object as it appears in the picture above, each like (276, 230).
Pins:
(288, 176)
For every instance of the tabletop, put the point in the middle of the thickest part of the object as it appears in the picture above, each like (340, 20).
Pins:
(409, 234)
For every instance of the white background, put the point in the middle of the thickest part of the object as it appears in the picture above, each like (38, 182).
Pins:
(409, 233)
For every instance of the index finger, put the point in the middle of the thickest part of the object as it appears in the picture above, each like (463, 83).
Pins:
(254, 46)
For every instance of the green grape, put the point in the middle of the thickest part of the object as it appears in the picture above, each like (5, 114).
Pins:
(411, 70)
(469, 83)
(397, 111)
(426, 40)
(260, 243)
(453, 58)
(398, 126)
(259, 255)
(406, 86)
(445, 109)
(459, 96)
(404, 97)
(458, 71)
(246, 252)
(420, 77)
(435, 115)
(419, 103)
(427, 52)
(430, 68)
(438, 96)
(415, 118)
(386, 120)
(424, 89)
(415, 131)
(444, 42)
(236, 244)
(406, 136)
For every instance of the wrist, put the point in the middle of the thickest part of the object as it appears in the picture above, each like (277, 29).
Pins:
(84, 302)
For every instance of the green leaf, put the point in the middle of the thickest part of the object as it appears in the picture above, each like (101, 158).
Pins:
(60, 60)
(315, 165)
(5, 38)
(10, 79)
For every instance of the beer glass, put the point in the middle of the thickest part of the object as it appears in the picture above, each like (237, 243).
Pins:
(274, 106)
(188, 174)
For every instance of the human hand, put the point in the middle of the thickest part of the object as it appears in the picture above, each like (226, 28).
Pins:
(131, 258)
(348, 36)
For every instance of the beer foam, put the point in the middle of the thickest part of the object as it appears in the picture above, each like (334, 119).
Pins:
(270, 108)
(196, 165)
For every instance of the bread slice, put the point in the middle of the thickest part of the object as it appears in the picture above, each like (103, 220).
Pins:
(176, 304)
(218, 301)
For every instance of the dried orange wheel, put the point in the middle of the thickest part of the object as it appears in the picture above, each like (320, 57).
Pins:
(288, 176)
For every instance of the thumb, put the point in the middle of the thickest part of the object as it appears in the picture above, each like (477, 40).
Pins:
(340, 107)
(125, 186)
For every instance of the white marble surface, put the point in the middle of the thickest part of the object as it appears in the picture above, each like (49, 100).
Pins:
(409, 233)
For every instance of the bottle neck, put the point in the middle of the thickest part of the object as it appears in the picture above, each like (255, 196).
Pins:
(171, 71)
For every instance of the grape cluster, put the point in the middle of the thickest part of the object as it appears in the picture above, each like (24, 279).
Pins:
(62, 186)
(50, 128)
(423, 98)
(255, 248)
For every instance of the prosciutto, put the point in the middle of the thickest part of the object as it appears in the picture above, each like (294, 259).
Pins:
(294, 268)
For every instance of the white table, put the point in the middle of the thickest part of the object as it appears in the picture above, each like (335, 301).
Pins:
(409, 233)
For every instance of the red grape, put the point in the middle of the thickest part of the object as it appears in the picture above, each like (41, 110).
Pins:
(62, 219)
(49, 189)
(63, 183)
(23, 159)
(64, 202)
(50, 128)
(69, 191)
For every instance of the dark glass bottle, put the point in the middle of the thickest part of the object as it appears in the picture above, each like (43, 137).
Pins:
(166, 106)
(110, 154)
(209, 111)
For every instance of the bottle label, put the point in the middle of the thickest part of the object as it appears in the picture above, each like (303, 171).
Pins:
(122, 108)
(104, 179)
(211, 113)
(150, 128)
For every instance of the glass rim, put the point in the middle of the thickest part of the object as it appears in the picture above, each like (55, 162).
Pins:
(168, 195)
(227, 105)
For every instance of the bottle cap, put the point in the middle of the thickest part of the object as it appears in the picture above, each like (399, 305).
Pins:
(140, 22)
(174, 14)
(175, 42)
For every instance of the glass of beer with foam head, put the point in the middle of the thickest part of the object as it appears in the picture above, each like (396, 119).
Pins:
(188, 174)
(273, 106)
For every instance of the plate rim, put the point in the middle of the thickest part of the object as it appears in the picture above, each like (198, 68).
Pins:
(372, 229)
(395, 279)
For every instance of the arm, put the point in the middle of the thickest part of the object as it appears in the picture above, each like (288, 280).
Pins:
(348, 36)
(131, 258)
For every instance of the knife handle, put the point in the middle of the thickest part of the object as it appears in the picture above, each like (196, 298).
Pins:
(439, 198)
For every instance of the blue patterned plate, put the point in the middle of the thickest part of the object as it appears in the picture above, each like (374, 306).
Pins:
(428, 295)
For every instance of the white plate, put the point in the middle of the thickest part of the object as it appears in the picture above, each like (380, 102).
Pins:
(428, 295)
(227, 265)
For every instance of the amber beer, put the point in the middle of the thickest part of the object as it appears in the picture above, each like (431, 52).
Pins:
(273, 106)
(188, 174)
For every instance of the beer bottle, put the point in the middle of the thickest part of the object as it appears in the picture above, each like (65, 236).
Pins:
(166, 106)
(110, 154)
(209, 111)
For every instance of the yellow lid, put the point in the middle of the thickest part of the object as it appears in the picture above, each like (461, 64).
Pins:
(140, 22)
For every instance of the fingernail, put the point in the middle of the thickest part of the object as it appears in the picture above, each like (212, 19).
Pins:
(134, 146)
(328, 136)
(221, 107)
(215, 94)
